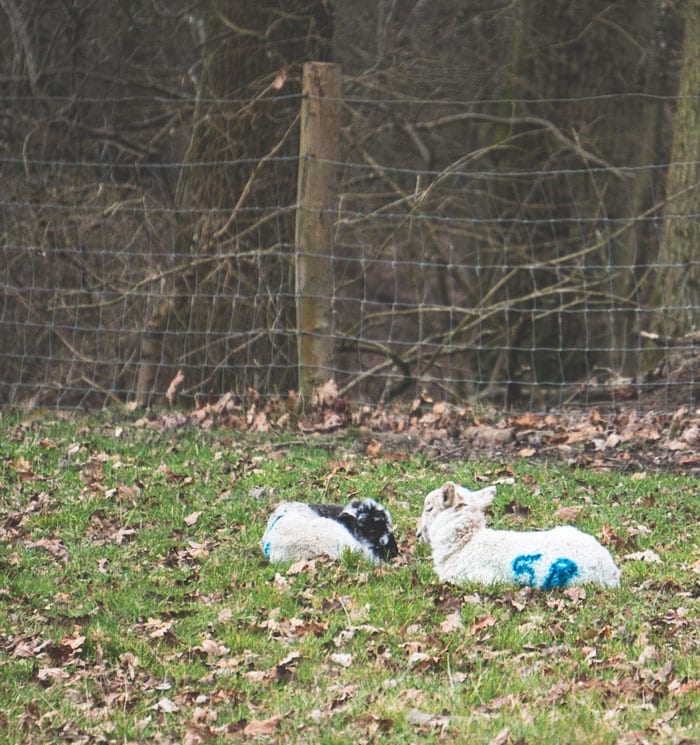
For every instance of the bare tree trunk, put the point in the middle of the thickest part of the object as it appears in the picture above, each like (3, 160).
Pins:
(561, 51)
(679, 257)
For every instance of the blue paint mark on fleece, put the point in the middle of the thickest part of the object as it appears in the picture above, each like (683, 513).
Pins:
(266, 545)
(523, 570)
(560, 572)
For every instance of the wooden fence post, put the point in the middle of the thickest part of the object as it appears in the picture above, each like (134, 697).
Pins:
(316, 200)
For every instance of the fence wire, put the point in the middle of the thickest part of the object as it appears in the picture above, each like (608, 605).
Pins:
(478, 279)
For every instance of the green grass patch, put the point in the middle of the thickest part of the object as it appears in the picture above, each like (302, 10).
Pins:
(135, 602)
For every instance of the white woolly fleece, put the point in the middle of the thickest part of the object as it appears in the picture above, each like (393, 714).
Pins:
(465, 550)
(294, 531)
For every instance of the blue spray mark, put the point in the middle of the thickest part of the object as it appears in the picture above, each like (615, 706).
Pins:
(266, 545)
(560, 573)
(523, 570)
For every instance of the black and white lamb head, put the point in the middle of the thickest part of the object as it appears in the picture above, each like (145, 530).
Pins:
(367, 521)
(371, 524)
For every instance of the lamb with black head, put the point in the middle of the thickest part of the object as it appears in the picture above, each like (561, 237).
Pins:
(296, 530)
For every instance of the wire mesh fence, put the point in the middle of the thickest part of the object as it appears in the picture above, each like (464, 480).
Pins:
(528, 281)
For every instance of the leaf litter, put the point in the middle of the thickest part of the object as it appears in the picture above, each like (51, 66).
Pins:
(625, 435)
(337, 632)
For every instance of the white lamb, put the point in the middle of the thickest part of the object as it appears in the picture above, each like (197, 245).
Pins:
(465, 550)
(301, 531)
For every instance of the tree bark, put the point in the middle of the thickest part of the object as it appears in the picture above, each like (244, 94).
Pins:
(679, 257)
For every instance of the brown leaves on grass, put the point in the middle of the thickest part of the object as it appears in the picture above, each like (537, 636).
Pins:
(57, 653)
(291, 628)
(54, 547)
(16, 519)
(281, 672)
(428, 722)
(626, 437)
(104, 529)
(155, 628)
(23, 469)
(623, 437)
(201, 731)
(452, 623)
(443, 647)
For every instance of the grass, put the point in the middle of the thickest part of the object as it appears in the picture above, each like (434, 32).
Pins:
(135, 603)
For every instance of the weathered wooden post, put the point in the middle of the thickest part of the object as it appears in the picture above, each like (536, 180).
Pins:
(316, 200)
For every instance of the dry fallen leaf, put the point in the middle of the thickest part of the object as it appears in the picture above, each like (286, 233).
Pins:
(262, 727)
(482, 622)
(52, 674)
(325, 395)
(501, 738)
(213, 648)
(166, 705)
(568, 513)
(302, 566)
(342, 658)
(576, 593)
(373, 448)
(453, 622)
(649, 556)
(192, 518)
(421, 661)
(156, 628)
(434, 721)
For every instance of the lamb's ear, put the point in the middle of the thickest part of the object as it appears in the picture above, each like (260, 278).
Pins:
(351, 515)
(449, 494)
(483, 498)
(347, 519)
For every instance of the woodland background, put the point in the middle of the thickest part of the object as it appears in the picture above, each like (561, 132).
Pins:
(517, 210)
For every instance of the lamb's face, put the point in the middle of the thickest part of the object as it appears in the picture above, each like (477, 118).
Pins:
(371, 523)
(437, 501)
(455, 497)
